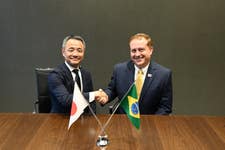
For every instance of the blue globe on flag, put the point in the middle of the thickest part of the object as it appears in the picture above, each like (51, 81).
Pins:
(134, 108)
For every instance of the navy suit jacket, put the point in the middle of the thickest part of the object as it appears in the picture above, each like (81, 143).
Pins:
(61, 85)
(156, 94)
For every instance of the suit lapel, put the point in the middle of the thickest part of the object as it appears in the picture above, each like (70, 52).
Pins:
(83, 80)
(130, 73)
(148, 79)
(69, 74)
(68, 77)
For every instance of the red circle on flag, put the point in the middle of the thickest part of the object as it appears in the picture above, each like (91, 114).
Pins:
(74, 108)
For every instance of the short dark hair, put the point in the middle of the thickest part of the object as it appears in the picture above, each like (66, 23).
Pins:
(76, 37)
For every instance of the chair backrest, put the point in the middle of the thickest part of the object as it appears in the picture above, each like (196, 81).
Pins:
(43, 96)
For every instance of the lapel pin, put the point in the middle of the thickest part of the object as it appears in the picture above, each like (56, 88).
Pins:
(149, 75)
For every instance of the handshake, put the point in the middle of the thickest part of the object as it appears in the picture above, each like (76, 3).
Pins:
(101, 96)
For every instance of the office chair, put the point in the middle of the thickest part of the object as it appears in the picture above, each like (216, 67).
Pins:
(43, 102)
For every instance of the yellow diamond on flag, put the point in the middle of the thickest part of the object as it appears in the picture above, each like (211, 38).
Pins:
(129, 103)
(133, 105)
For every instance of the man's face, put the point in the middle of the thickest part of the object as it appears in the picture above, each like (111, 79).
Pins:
(73, 52)
(140, 52)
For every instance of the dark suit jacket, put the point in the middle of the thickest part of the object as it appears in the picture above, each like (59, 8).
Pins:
(61, 85)
(156, 94)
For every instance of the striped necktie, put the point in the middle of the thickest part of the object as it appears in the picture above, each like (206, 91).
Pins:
(139, 82)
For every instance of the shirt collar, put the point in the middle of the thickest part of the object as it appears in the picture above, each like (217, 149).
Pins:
(145, 69)
(71, 68)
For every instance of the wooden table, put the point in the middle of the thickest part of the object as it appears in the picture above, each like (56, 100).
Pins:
(49, 131)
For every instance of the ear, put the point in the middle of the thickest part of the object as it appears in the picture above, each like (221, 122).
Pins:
(63, 51)
(151, 50)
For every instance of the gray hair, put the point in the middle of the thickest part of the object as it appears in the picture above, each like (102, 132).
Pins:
(79, 38)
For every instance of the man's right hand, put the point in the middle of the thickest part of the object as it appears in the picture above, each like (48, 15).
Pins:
(101, 96)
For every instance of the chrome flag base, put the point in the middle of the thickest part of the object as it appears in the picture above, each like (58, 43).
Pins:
(102, 141)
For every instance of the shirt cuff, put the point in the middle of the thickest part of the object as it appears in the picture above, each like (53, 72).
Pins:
(91, 96)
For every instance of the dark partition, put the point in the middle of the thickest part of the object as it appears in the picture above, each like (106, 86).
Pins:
(188, 38)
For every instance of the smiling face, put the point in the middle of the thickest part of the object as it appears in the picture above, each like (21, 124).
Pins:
(73, 52)
(140, 52)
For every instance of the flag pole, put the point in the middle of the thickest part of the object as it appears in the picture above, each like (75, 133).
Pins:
(103, 138)
(118, 104)
(96, 118)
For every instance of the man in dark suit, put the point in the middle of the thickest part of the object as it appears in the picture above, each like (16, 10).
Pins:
(61, 79)
(155, 94)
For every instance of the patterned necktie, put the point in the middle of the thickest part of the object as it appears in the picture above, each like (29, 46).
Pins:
(77, 77)
(139, 82)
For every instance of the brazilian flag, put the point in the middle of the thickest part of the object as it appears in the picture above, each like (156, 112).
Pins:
(130, 105)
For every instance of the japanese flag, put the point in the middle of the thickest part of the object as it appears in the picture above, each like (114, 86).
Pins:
(79, 103)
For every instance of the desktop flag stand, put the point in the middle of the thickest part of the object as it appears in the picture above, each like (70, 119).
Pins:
(129, 103)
